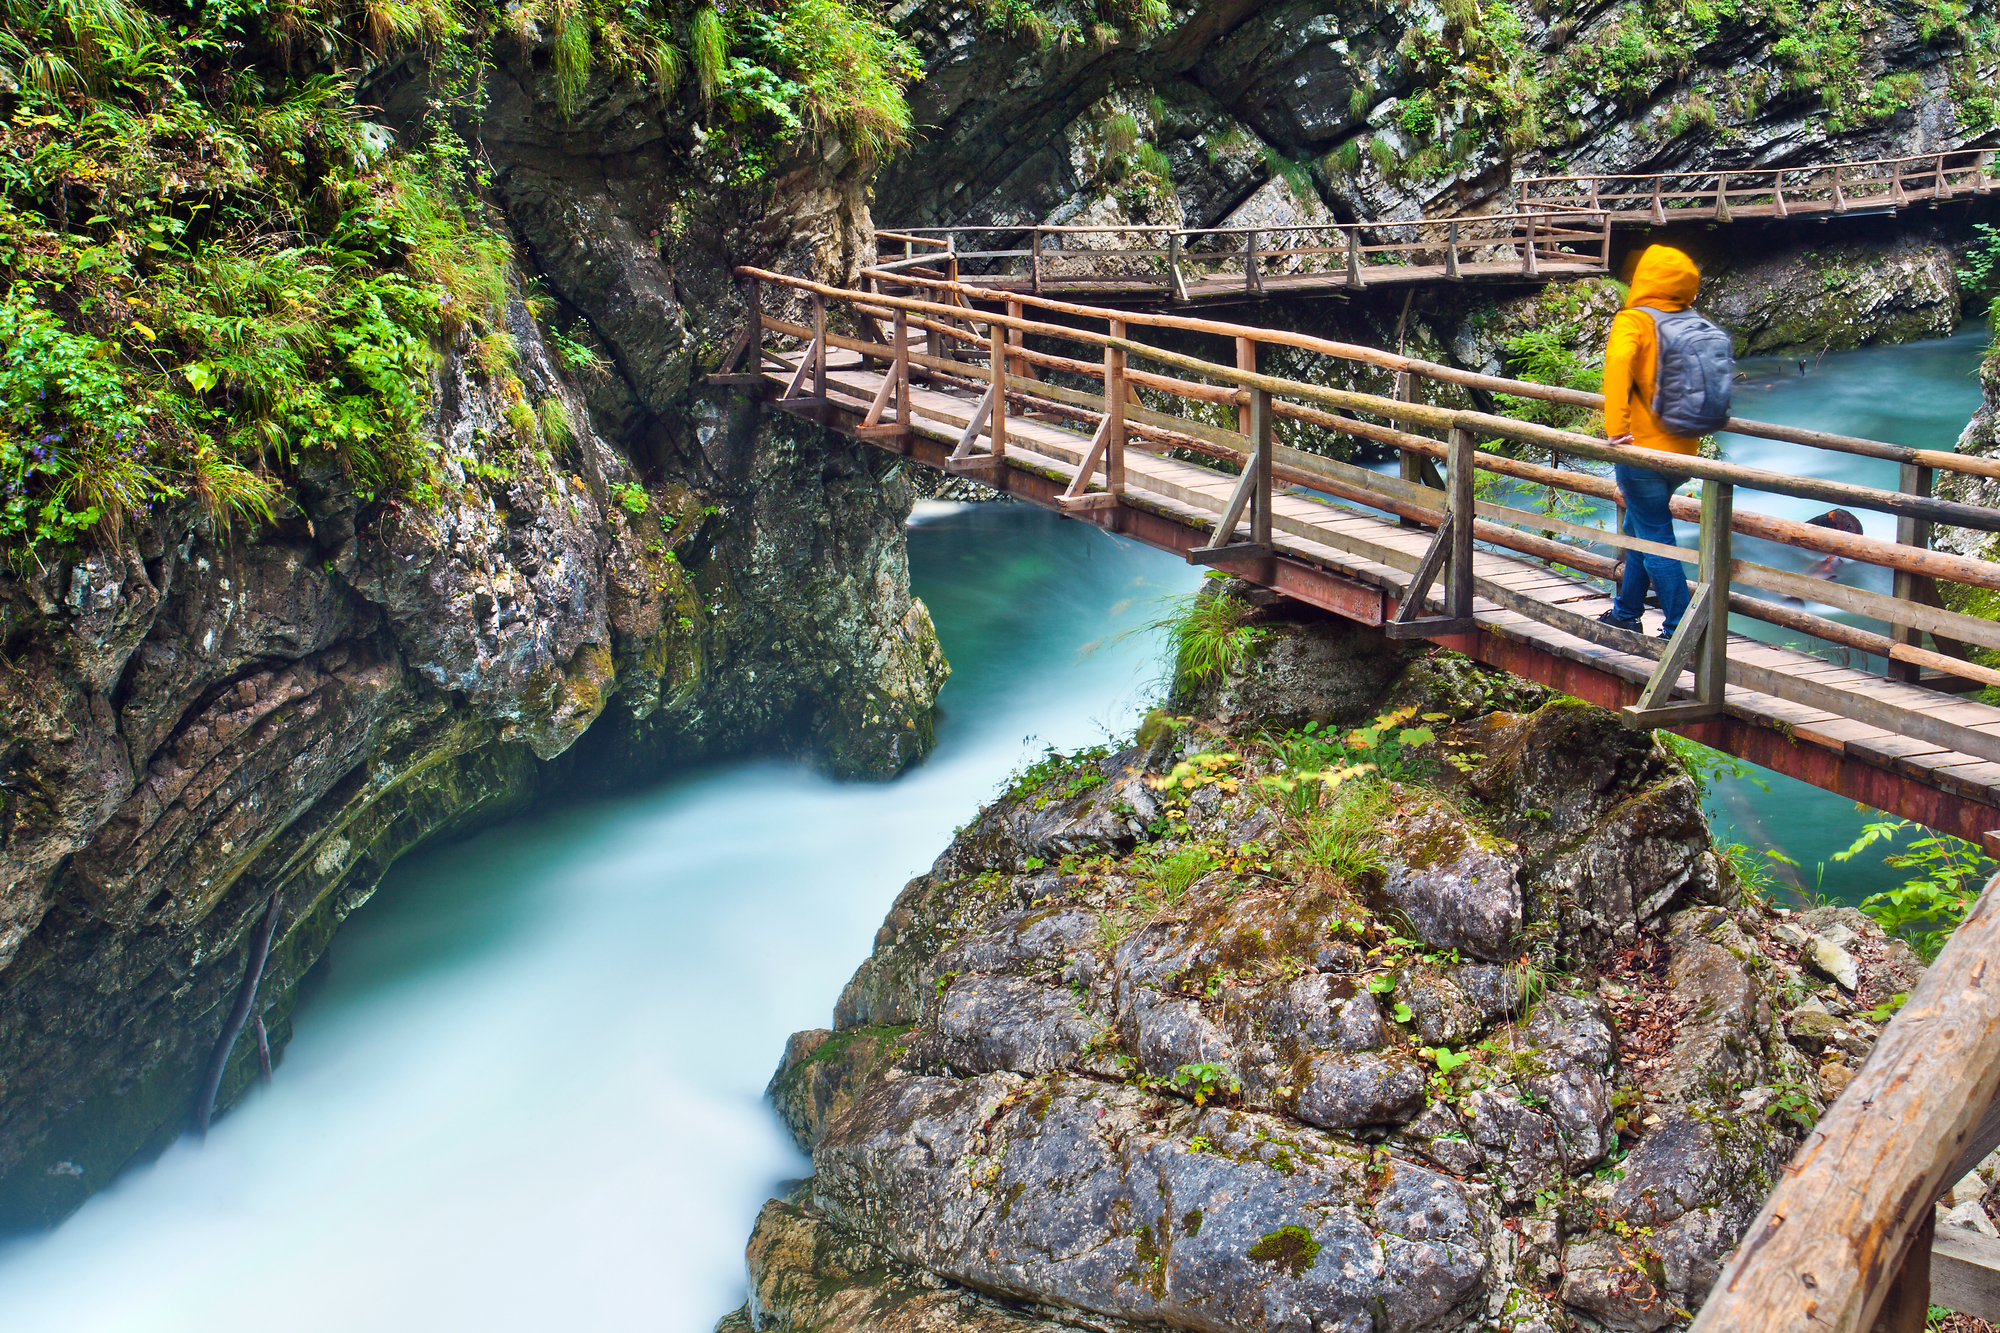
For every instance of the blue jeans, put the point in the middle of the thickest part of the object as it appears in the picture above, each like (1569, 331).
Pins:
(1646, 494)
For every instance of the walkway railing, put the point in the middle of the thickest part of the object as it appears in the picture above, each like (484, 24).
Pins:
(987, 351)
(1188, 263)
(1874, 186)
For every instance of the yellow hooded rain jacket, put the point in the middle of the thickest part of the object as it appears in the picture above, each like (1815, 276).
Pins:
(1666, 280)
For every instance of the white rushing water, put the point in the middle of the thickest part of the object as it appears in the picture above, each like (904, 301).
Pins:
(529, 1095)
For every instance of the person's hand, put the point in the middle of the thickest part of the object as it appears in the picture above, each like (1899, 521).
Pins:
(1620, 439)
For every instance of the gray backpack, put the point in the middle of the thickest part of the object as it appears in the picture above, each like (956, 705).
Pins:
(1695, 373)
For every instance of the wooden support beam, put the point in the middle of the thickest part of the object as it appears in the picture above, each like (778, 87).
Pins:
(1820, 1255)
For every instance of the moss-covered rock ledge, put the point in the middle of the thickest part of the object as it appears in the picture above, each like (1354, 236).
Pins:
(1421, 1001)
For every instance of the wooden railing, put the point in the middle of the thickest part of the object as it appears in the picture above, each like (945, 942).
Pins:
(1176, 262)
(987, 351)
(1878, 185)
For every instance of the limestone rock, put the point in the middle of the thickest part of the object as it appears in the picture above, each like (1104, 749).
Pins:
(1832, 961)
(1609, 1281)
(1456, 888)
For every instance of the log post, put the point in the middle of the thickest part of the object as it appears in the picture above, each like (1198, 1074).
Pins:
(819, 345)
(1659, 208)
(1354, 278)
(902, 336)
(996, 357)
(1451, 252)
(1722, 197)
(1176, 282)
(1528, 265)
(1035, 261)
(1260, 458)
(1114, 412)
(1458, 578)
(1839, 194)
(1718, 508)
(1821, 1255)
(1778, 209)
(1938, 190)
(1246, 360)
(1253, 278)
(1913, 479)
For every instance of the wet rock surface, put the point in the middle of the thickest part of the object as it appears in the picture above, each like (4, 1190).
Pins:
(1214, 1077)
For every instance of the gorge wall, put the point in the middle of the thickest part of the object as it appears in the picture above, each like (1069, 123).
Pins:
(618, 570)
(634, 574)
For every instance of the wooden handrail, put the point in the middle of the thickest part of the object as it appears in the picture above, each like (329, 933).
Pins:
(958, 321)
(1949, 512)
(1932, 458)
(1820, 1255)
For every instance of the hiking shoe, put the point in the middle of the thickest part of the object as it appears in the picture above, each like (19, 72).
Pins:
(1616, 621)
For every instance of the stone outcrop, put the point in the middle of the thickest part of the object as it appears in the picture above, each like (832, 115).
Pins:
(1255, 1062)
(1837, 292)
(615, 572)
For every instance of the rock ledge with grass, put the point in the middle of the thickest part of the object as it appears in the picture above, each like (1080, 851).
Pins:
(1411, 999)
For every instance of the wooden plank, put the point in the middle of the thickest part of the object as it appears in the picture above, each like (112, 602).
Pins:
(1965, 1273)
(1820, 1254)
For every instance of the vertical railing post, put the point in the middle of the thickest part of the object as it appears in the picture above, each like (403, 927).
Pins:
(1260, 458)
(1035, 261)
(996, 357)
(1451, 251)
(819, 346)
(1246, 360)
(1915, 479)
(1253, 281)
(1354, 257)
(951, 257)
(756, 335)
(1593, 192)
(1778, 209)
(1015, 365)
(1114, 412)
(1980, 161)
(1896, 195)
(1410, 464)
(1718, 504)
(1938, 190)
(1722, 197)
(902, 335)
(1528, 264)
(1175, 281)
(1659, 205)
(1458, 586)
(1839, 193)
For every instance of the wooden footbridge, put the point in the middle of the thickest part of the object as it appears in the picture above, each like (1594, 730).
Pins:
(1561, 229)
(1066, 406)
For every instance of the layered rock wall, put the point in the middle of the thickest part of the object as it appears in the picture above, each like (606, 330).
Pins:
(614, 571)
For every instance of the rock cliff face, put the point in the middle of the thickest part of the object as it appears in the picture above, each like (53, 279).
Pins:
(1296, 112)
(202, 718)
(1220, 1033)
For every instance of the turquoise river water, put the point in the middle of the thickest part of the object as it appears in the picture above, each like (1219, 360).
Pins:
(528, 1096)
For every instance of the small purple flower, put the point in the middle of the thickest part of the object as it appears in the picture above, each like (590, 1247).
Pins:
(51, 437)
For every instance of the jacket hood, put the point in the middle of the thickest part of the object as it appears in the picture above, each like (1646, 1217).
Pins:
(1665, 279)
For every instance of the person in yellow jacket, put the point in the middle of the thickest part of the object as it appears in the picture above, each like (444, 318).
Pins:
(1666, 280)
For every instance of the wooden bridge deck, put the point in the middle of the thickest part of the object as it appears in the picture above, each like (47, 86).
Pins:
(1359, 564)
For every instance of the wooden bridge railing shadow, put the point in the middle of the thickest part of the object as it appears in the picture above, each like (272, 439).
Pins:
(1879, 185)
(1208, 263)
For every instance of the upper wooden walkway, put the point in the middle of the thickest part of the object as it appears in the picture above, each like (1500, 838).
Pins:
(1832, 189)
(1229, 264)
(1561, 229)
(917, 374)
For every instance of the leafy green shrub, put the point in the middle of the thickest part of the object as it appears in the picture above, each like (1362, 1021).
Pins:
(1928, 906)
(1979, 276)
(1204, 1082)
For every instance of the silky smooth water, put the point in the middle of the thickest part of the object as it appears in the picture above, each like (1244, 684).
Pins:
(528, 1095)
